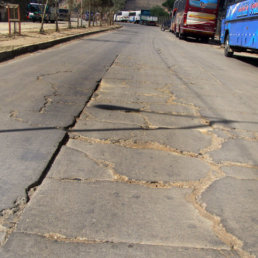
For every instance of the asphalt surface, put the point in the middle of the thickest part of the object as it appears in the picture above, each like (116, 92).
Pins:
(41, 95)
(162, 161)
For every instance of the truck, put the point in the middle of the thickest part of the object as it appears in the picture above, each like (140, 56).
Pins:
(147, 19)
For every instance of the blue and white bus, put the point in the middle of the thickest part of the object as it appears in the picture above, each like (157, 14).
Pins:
(239, 29)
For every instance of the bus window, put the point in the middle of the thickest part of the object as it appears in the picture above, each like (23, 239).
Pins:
(205, 4)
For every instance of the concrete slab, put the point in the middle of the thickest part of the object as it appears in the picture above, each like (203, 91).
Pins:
(25, 154)
(117, 212)
(30, 246)
(171, 108)
(71, 163)
(125, 114)
(234, 118)
(138, 86)
(184, 140)
(241, 172)
(235, 202)
(115, 113)
(144, 98)
(174, 121)
(127, 74)
(237, 150)
(144, 164)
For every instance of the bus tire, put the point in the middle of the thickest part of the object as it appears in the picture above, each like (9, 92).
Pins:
(228, 52)
(181, 35)
(205, 39)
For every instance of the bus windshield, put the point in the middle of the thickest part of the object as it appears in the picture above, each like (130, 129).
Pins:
(146, 12)
(36, 8)
(205, 4)
(132, 13)
(33, 8)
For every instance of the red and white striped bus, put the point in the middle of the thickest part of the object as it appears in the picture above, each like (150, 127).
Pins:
(195, 18)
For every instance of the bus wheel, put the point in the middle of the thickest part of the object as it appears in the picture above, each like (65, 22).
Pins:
(181, 35)
(205, 40)
(228, 52)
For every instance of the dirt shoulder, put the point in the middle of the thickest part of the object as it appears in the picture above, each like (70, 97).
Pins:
(34, 37)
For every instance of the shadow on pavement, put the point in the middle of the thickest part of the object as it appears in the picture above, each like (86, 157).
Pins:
(213, 121)
(247, 59)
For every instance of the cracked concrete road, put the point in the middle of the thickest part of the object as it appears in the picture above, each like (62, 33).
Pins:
(41, 96)
(162, 162)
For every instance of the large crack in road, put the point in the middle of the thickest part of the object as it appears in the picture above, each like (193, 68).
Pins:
(10, 217)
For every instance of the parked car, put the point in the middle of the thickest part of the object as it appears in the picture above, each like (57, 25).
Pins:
(166, 25)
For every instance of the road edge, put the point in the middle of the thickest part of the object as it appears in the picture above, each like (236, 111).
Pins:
(7, 55)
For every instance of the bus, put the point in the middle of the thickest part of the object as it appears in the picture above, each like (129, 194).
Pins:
(195, 18)
(134, 16)
(122, 16)
(239, 29)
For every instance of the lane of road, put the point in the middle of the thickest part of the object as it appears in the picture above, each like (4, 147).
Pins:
(209, 113)
(41, 94)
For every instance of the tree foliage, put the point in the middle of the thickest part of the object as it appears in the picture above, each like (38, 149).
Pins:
(118, 5)
(169, 4)
(158, 11)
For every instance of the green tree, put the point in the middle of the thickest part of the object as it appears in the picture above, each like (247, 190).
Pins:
(158, 11)
(169, 4)
(104, 7)
(118, 5)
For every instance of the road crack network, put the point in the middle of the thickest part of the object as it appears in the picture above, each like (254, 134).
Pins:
(207, 128)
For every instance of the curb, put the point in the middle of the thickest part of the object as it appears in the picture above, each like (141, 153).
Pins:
(7, 55)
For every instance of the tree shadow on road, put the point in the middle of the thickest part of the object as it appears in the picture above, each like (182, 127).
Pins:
(212, 121)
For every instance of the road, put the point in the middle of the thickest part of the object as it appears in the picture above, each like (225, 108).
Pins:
(169, 140)
(41, 95)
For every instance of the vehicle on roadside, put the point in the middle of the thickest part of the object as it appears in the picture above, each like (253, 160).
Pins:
(173, 17)
(147, 19)
(195, 18)
(166, 25)
(122, 16)
(35, 13)
(239, 29)
(134, 16)
(63, 14)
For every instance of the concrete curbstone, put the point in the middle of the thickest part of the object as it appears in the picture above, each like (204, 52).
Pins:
(7, 55)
